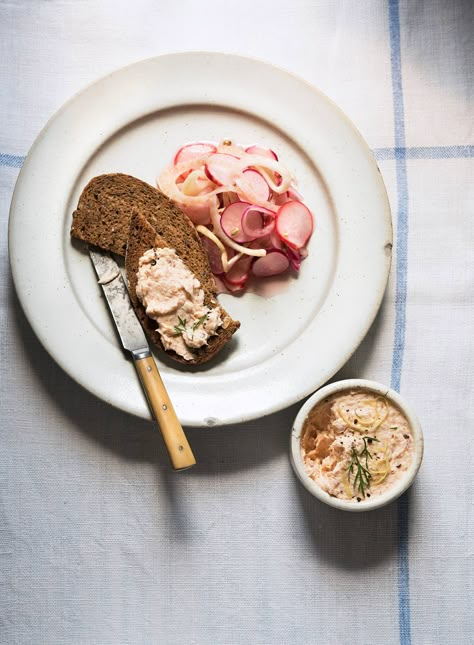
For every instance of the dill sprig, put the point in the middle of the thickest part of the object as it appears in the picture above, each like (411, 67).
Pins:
(200, 321)
(182, 327)
(360, 470)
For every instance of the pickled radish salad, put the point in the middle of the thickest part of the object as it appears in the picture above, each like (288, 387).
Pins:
(245, 206)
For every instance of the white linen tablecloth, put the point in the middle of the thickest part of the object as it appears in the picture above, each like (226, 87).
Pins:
(99, 543)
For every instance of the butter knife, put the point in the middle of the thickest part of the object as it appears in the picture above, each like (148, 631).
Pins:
(133, 339)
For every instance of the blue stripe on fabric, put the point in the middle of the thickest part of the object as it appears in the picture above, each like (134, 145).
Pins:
(404, 622)
(381, 154)
(11, 161)
(424, 152)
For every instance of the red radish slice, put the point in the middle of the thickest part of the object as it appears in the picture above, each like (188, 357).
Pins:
(194, 150)
(220, 285)
(197, 213)
(294, 224)
(294, 194)
(254, 186)
(231, 222)
(223, 169)
(239, 286)
(269, 242)
(294, 257)
(275, 240)
(291, 195)
(239, 272)
(257, 221)
(262, 152)
(274, 263)
(281, 199)
(213, 253)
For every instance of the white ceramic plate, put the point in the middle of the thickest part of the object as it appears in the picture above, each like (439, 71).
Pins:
(132, 121)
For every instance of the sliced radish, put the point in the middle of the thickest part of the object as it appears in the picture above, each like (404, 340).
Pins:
(234, 287)
(275, 240)
(257, 221)
(223, 169)
(231, 222)
(282, 199)
(221, 287)
(197, 213)
(214, 254)
(291, 195)
(254, 186)
(268, 242)
(263, 152)
(294, 194)
(294, 257)
(274, 263)
(294, 224)
(239, 272)
(194, 150)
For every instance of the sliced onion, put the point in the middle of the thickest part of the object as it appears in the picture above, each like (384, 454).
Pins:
(196, 183)
(274, 263)
(224, 253)
(166, 182)
(257, 221)
(264, 165)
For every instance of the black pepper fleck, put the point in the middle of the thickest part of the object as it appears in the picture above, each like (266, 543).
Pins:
(406, 436)
(399, 466)
(358, 499)
(368, 494)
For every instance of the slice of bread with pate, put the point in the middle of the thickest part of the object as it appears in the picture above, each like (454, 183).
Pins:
(127, 216)
(143, 237)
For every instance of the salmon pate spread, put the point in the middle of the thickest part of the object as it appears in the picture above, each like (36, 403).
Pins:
(174, 298)
(356, 444)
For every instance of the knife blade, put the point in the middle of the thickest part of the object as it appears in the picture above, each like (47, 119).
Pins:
(134, 340)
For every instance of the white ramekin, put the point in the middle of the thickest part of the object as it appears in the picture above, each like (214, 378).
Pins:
(374, 502)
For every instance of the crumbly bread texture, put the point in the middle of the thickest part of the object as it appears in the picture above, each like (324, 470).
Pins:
(105, 206)
(124, 215)
(142, 237)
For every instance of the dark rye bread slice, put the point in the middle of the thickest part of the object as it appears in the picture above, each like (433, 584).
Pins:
(185, 241)
(104, 209)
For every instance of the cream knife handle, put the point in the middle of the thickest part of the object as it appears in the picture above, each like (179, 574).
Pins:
(179, 450)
